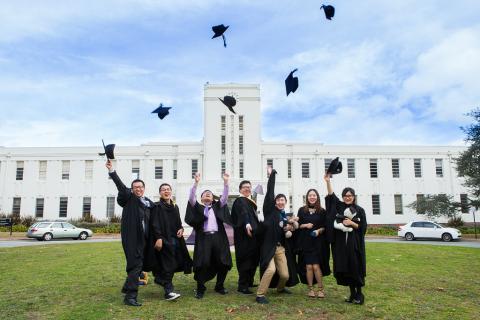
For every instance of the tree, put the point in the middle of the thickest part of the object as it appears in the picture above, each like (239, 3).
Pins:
(434, 206)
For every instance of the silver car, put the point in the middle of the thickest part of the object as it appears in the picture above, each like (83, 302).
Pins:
(57, 229)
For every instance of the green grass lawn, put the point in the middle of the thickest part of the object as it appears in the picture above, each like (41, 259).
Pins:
(83, 281)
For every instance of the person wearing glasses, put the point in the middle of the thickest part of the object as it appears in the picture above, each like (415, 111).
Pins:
(348, 245)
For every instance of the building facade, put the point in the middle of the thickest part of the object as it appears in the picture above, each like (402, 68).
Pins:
(69, 182)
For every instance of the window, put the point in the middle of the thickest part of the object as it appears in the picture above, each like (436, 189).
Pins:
(290, 202)
(375, 204)
(240, 170)
(65, 169)
(417, 224)
(398, 204)
(110, 207)
(87, 206)
(39, 207)
(439, 168)
(194, 167)
(464, 203)
(158, 169)
(373, 168)
(289, 168)
(174, 169)
(222, 164)
(222, 123)
(240, 122)
(17, 202)
(327, 163)
(305, 169)
(42, 170)
(270, 162)
(223, 144)
(88, 169)
(417, 167)
(351, 168)
(62, 212)
(135, 169)
(56, 225)
(395, 168)
(240, 144)
(19, 175)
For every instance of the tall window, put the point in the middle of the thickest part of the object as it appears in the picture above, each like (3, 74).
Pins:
(19, 175)
(110, 207)
(223, 122)
(88, 169)
(326, 163)
(17, 202)
(223, 143)
(39, 204)
(87, 206)
(270, 162)
(290, 202)
(175, 164)
(135, 169)
(63, 208)
(373, 168)
(240, 144)
(395, 168)
(240, 122)
(398, 204)
(439, 168)
(42, 170)
(464, 203)
(305, 169)
(417, 167)
(65, 169)
(223, 167)
(351, 168)
(158, 169)
(375, 204)
(289, 168)
(194, 167)
(240, 170)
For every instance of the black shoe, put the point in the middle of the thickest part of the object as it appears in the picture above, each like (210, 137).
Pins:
(285, 290)
(261, 300)
(360, 299)
(245, 291)
(199, 294)
(222, 291)
(349, 299)
(172, 296)
(132, 302)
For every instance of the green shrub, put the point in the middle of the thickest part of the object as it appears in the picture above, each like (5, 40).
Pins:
(383, 230)
(15, 228)
(455, 222)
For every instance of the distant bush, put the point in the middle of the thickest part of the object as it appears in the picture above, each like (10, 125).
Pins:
(383, 230)
(455, 222)
(15, 228)
(115, 219)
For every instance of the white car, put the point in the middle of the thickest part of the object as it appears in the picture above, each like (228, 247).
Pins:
(48, 230)
(428, 229)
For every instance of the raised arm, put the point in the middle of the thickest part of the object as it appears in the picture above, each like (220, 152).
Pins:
(224, 197)
(124, 193)
(269, 201)
(192, 199)
(327, 178)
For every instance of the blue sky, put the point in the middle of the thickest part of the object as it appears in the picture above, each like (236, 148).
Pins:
(381, 72)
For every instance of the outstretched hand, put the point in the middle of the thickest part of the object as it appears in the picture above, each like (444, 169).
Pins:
(197, 177)
(327, 177)
(109, 165)
(269, 170)
(226, 177)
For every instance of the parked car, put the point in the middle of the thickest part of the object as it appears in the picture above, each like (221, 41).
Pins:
(48, 230)
(427, 229)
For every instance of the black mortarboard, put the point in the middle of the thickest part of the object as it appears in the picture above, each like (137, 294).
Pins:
(335, 166)
(161, 111)
(329, 11)
(229, 101)
(108, 150)
(219, 30)
(291, 83)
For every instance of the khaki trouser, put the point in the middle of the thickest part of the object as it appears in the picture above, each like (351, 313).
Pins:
(277, 264)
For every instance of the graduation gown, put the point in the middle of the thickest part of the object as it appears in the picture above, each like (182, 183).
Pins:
(272, 234)
(306, 244)
(134, 216)
(349, 261)
(195, 218)
(164, 224)
(244, 211)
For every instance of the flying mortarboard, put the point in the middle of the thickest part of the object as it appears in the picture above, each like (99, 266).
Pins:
(335, 166)
(329, 11)
(108, 151)
(161, 111)
(291, 83)
(218, 31)
(230, 102)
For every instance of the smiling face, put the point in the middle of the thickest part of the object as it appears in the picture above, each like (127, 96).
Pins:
(207, 197)
(165, 192)
(312, 197)
(348, 198)
(246, 189)
(138, 188)
(280, 203)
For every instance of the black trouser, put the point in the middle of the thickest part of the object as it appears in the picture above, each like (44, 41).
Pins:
(130, 287)
(165, 280)
(245, 278)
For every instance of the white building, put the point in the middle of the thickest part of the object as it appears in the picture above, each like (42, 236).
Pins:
(68, 182)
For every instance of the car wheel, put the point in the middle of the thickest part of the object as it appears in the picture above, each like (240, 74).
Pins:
(47, 236)
(409, 236)
(83, 236)
(446, 237)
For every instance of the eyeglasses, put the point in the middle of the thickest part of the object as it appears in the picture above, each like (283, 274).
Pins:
(348, 196)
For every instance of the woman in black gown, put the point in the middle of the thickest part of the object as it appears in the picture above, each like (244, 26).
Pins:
(314, 253)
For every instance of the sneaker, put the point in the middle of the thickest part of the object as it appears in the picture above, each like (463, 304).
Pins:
(245, 291)
(199, 294)
(261, 300)
(285, 290)
(172, 296)
(360, 299)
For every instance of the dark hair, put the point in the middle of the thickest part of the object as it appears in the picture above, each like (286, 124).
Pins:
(348, 189)
(204, 191)
(242, 183)
(316, 205)
(164, 184)
(137, 180)
(280, 195)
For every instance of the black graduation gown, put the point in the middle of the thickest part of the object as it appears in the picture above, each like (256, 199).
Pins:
(247, 253)
(273, 233)
(164, 224)
(306, 244)
(349, 261)
(201, 256)
(132, 232)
